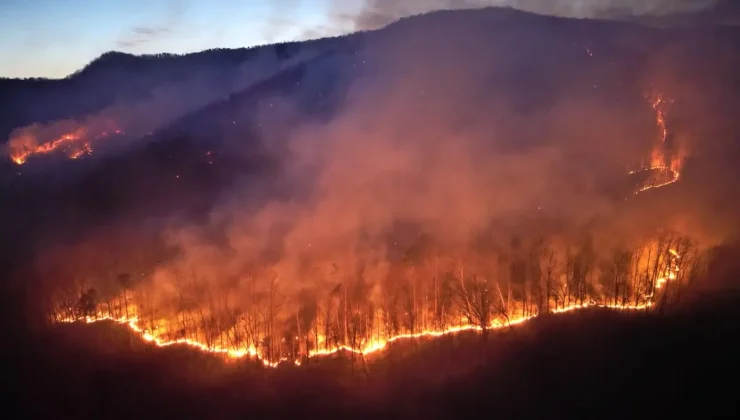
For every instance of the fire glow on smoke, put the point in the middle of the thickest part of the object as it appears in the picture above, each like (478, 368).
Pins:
(640, 279)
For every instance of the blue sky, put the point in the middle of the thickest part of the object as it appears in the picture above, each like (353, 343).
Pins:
(52, 38)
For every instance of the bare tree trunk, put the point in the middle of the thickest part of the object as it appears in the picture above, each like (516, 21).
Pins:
(298, 337)
(271, 322)
(508, 296)
(125, 303)
(327, 323)
(344, 339)
(464, 291)
(413, 303)
(436, 295)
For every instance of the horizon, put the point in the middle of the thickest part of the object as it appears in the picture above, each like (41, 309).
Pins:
(52, 42)
(83, 32)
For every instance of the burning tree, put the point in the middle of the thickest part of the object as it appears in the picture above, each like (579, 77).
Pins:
(254, 315)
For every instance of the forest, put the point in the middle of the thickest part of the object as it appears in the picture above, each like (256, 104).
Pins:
(358, 304)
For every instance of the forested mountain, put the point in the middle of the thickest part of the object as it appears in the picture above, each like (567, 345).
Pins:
(116, 77)
(297, 203)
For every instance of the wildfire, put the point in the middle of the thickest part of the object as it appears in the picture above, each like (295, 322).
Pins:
(664, 165)
(20, 157)
(236, 331)
(85, 149)
(660, 115)
(158, 336)
(73, 142)
(151, 337)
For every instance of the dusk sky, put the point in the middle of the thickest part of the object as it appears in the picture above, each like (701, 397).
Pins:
(53, 38)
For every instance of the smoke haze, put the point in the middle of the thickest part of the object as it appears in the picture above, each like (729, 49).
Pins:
(377, 13)
(448, 140)
(162, 105)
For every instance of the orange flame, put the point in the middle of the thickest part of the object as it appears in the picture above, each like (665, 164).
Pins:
(73, 141)
(664, 168)
(21, 156)
(157, 337)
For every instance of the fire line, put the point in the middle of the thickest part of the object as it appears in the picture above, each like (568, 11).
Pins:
(374, 346)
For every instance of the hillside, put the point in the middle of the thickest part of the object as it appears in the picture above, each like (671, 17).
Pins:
(546, 60)
(526, 70)
(117, 78)
(460, 168)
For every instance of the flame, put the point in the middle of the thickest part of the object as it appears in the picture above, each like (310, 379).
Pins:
(21, 156)
(671, 272)
(86, 149)
(74, 142)
(660, 115)
(663, 168)
(374, 346)
(158, 336)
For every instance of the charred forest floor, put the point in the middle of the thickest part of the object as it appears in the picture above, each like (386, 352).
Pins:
(595, 364)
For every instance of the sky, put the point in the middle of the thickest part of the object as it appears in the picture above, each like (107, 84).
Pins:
(53, 38)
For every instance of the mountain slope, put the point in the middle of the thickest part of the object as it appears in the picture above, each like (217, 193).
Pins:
(119, 78)
(521, 85)
(528, 62)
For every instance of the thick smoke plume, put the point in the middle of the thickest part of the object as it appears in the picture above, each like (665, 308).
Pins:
(419, 143)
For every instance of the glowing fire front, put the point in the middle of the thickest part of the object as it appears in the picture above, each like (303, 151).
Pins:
(663, 166)
(160, 339)
(640, 280)
(74, 144)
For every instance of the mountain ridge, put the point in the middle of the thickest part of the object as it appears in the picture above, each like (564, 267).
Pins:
(505, 12)
(116, 77)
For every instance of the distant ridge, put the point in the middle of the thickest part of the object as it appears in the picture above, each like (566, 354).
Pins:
(118, 76)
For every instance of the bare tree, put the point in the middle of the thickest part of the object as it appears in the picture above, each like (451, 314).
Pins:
(124, 279)
(88, 303)
(620, 272)
(476, 300)
(550, 263)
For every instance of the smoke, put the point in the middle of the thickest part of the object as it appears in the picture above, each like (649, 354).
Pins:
(377, 13)
(162, 105)
(428, 139)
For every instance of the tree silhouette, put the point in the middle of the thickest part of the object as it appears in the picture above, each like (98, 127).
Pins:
(88, 303)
